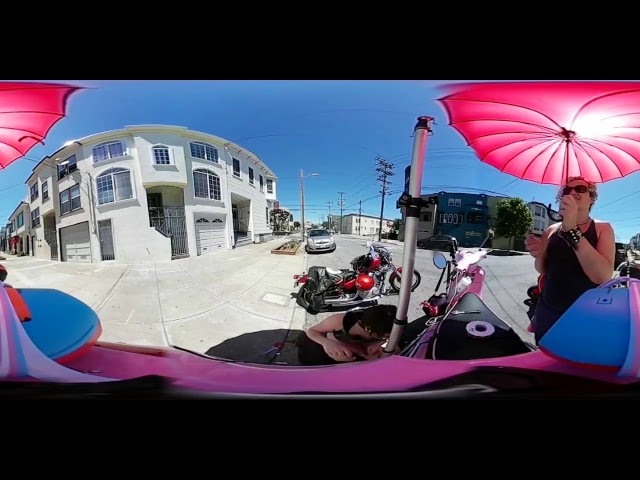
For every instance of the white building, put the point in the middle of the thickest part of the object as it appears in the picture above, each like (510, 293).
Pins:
(541, 220)
(148, 193)
(19, 239)
(355, 224)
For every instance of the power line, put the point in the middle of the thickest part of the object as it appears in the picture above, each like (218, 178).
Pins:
(385, 168)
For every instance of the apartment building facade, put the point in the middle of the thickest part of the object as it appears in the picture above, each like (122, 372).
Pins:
(354, 224)
(148, 193)
(19, 240)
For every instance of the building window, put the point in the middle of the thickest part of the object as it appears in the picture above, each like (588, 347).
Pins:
(473, 217)
(108, 151)
(539, 211)
(269, 185)
(236, 167)
(34, 191)
(204, 151)
(251, 180)
(67, 168)
(20, 220)
(450, 202)
(537, 224)
(458, 202)
(35, 218)
(267, 215)
(114, 185)
(261, 184)
(206, 184)
(45, 190)
(161, 155)
(70, 200)
(427, 216)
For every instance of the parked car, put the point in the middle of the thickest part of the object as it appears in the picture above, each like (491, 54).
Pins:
(438, 242)
(320, 240)
(621, 254)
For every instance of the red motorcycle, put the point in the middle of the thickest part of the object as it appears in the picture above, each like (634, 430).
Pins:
(325, 288)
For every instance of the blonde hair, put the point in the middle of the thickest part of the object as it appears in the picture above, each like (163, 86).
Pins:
(591, 188)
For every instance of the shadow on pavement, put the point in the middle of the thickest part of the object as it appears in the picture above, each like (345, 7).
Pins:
(256, 347)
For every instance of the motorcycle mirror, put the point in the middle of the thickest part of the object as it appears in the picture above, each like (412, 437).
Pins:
(439, 260)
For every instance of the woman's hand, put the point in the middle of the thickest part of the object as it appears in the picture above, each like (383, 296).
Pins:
(338, 351)
(535, 245)
(569, 212)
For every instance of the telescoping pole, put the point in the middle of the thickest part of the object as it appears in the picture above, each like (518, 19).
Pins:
(412, 215)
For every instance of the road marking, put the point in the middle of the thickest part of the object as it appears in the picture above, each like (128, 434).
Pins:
(130, 315)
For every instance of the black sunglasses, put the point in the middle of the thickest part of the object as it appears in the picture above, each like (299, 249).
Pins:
(578, 188)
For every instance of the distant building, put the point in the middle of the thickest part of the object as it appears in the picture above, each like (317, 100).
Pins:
(354, 224)
(464, 216)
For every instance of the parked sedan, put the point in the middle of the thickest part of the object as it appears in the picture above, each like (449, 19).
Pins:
(438, 242)
(320, 240)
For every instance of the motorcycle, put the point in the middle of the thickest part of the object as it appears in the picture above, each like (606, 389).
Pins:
(325, 288)
(461, 274)
(380, 259)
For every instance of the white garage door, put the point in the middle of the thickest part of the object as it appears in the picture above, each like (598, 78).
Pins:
(211, 234)
(75, 243)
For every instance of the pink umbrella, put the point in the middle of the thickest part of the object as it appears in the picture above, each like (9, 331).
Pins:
(27, 112)
(549, 131)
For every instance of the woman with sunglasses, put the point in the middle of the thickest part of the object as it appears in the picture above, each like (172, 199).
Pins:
(358, 334)
(575, 255)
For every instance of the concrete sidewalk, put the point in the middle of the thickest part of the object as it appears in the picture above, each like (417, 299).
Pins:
(195, 303)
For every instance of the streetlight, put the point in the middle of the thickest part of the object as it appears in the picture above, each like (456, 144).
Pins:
(302, 177)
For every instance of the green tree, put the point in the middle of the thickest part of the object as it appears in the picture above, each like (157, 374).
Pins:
(513, 218)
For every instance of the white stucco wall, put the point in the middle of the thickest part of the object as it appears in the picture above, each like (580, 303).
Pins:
(134, 239)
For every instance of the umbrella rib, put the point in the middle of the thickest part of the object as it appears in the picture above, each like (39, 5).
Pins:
(19, 130)
(15, 148)
(544, 174)
(512, 143)
(40, 86)
(579, 145)
(622, 138)
(621, 115)
(509, 105)
(524, 172)
(542, 127)
(534, 135)
(599, 97)
(603, 153)
(13, 112)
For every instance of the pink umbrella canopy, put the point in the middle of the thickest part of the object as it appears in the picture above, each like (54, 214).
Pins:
(27, 112)
(546, 132)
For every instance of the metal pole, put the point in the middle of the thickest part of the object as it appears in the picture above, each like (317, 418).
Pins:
(302, 200)
(420, 134)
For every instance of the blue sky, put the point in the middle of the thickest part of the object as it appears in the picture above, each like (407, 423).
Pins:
(334, 128)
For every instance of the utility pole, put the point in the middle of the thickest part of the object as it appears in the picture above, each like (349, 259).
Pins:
(341, 205)
(359, 217)
(302, 200)
(329, 218)
(385, 169)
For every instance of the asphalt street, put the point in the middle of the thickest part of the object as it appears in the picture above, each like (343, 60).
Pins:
(506, 280)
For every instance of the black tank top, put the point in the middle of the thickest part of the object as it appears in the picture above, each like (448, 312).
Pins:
(565, 279)
(348, 322)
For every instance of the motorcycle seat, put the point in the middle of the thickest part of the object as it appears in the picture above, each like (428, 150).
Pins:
(471, 330)
(332, 271)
